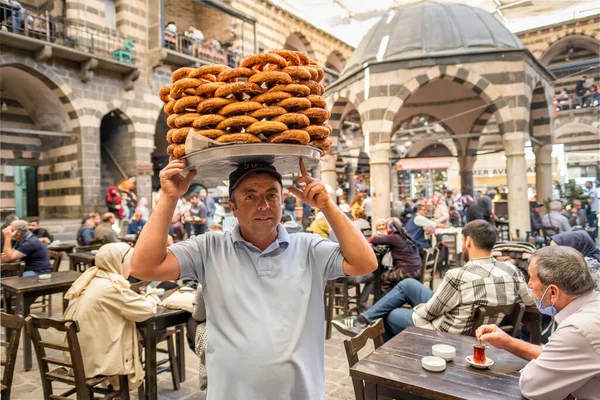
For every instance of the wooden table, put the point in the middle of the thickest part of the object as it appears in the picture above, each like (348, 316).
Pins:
(66, 247)
(395, 370)
(81, 261)
(153, 329)
(29, 288)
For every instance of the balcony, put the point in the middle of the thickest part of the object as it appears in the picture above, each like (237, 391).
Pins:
(48, 37)
(181, 50)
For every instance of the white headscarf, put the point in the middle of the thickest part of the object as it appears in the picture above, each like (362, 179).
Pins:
(112, 260)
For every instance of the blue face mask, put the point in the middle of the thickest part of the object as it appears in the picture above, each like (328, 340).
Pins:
(551, 310)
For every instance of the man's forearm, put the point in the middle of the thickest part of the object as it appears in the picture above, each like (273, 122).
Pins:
(151, 246)
(8, 251)
(522, 349)
(354, 246)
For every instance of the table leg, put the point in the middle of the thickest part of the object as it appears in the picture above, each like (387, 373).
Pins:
(370, 391)
(26, 303)
(180, 351)
(150, 368)
(65, 301)
(329, 316)
(8, 305)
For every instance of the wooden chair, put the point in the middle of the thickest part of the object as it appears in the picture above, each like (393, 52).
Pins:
(342, 299)
(429, 265)
(451, 241)
(69, 372)
(513, 316)
(171, 359)
(11, 270)
(548, 232)
(374, 332)
(14, 324)
(56, 257)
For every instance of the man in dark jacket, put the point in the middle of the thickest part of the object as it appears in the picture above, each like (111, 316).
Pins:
(41, 233)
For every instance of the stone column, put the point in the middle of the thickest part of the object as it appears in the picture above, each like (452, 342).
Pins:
(380, 181)
(328, 173)
(543, 172)
(516, 167)
(350, 170)
(466, 173)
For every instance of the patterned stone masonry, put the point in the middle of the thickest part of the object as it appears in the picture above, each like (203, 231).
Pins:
(100, 115)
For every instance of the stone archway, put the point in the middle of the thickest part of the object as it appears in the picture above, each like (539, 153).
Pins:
(298, 42)
(569, 44)
(335, 61)
(117, 156)
(41, 139)
(160, 158)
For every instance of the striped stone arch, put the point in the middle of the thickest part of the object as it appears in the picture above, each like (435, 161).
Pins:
(122, 111)
(471, 80)
(302, 38)
(471, 145)
(541, 118)
(579, 34)
(336, 104)
(53, 81)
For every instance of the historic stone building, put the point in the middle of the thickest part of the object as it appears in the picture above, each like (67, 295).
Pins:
(79, 84)
(460, 66)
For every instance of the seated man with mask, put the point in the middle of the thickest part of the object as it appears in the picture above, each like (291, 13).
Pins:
(568, 366)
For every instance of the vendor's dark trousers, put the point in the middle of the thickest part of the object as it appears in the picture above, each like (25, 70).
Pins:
(389, 307)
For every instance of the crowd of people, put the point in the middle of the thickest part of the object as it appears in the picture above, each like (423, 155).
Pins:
(252, 289)
(583, 96)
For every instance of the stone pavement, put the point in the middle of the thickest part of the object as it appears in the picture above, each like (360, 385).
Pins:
(338, 386)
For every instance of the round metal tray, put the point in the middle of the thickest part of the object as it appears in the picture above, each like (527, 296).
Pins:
(214, 164)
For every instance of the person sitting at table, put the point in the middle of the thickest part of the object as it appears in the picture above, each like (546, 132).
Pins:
(554, 219)
(405, 254)
(28, 248)
(104, 232)
(7, 221)
(419, 225)
(106, 310)
(136, 225)
(41, 233)
(85, 234)
(583, 243)
(576, 216)
(568, 366)
(481, 281)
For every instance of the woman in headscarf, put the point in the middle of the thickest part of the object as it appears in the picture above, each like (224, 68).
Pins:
(113, 202)
(405, 254)
(583, 243)
(106, 309)
(380, 227)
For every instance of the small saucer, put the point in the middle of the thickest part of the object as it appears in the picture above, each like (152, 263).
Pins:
(44, 276)
(433, 364)
(488, 362)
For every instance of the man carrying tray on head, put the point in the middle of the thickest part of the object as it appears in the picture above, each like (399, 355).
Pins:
(263, 288)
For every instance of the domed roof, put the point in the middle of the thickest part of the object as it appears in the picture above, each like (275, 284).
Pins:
(432, 29)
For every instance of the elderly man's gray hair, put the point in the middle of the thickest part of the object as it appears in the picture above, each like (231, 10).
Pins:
(555, 205)
(20, 226)
(564, 267)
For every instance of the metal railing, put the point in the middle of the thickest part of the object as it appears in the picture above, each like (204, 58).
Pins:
(206, 50)
(107, 43)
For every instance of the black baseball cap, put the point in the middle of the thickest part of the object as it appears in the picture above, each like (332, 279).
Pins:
(241, 172)
(536, 205)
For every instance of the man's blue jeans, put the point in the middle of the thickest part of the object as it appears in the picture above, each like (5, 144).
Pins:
(389, 307)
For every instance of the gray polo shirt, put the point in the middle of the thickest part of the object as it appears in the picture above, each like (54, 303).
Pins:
(265, 314)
